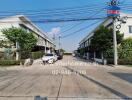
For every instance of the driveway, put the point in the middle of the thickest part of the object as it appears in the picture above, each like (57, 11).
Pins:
(67, 79)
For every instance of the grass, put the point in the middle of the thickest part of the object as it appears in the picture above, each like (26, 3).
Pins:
(128, 65)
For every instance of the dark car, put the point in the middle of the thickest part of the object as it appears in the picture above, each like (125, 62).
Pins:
(60, 56)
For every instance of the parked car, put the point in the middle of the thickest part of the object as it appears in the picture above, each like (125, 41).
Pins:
(49, 58)
(60, 56)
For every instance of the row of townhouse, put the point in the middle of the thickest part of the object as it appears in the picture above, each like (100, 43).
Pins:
(126, 29)
(20, 21)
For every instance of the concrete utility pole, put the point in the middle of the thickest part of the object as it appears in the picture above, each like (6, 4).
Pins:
(115, 42)
(59, 43)
(113, 12)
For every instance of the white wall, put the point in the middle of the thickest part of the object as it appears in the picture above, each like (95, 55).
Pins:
(8, 23)
(15, 21)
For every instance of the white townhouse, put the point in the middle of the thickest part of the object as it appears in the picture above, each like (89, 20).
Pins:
(126, 29)
(21, 21)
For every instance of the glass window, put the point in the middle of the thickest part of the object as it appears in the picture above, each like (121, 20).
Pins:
(49, 55)
(130, 29)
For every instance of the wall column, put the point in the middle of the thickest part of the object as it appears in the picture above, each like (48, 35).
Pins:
(17, 53)
(45, 46)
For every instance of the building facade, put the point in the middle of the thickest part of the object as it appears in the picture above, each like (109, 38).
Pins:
(20, 21)
(126, 29)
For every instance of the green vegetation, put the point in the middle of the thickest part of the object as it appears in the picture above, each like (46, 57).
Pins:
(25, 40)
(125, 49)
(103, 39)
(82, 51)
(37, 55)
(67, 53)
(9, 62)
(128, 65)
(62, 50)
(124, 53)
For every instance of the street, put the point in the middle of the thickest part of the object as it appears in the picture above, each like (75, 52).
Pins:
(67, 79)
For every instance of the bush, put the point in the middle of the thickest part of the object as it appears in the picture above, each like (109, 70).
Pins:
(9, 62)
(67, 53)
(125, 49)
(1, 55)
(125, 61)
(25, 54)
(120, 61)
(37, 55)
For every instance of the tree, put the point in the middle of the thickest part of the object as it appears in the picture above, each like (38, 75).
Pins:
(62, 50)
(5, 43)
(26, 40)
(125, 49)
(103, 39)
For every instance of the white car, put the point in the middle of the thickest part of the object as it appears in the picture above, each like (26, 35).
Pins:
(49, 58)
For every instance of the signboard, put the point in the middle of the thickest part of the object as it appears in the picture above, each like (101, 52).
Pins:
(113, 11)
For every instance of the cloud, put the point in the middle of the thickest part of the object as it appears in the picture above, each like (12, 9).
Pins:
(55, 31)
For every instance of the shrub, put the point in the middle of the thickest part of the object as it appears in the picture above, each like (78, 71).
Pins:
(125, 49)
(1, 55)
(9, 62)
(25, 54)
(120, 61)
(125, 61)
(37, 55)
(67, 53)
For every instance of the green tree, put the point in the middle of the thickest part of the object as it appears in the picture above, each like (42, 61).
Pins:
(125, 49)
(62, 50)
(26, 40)
(5, 43)
(103, 39)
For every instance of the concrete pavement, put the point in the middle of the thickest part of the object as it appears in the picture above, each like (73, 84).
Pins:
(67, 79)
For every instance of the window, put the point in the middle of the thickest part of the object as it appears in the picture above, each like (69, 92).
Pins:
(130, 29)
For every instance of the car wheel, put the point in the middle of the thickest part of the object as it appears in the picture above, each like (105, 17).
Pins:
(51, 61)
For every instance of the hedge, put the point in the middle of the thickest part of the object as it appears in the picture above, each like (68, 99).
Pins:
(120, 61)
(67, 53)
(37, 55)
(9, 62)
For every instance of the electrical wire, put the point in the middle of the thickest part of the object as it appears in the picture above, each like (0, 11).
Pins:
(97, 12)
(73, 33)
(77, 12)
(56, 20)
(51, 10)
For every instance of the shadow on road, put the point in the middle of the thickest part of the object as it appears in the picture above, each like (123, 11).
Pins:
(125, 76)
(123, 96)
(83, 60)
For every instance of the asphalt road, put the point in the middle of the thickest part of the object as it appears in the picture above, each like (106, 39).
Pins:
(67, 79)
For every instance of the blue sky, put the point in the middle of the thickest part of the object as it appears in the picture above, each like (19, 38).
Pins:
(70, 43)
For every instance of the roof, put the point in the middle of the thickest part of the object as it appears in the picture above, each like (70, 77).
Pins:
(41, 33)
(92, 32)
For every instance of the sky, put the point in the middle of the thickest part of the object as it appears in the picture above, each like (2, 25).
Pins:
(71, 42)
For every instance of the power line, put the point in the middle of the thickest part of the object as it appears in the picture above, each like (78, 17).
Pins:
(52, 11)
(77, 12)
(80, 30)
(56, 20)
(68, 15)
(97, 12)
(56, 9)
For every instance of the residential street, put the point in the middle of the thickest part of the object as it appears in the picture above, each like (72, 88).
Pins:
(67, 79)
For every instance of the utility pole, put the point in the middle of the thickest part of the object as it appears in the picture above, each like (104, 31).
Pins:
(115, 43)
(114, 12)
(54, 37)
(59, 43)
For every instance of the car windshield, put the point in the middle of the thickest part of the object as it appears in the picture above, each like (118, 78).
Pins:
(49, 55)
